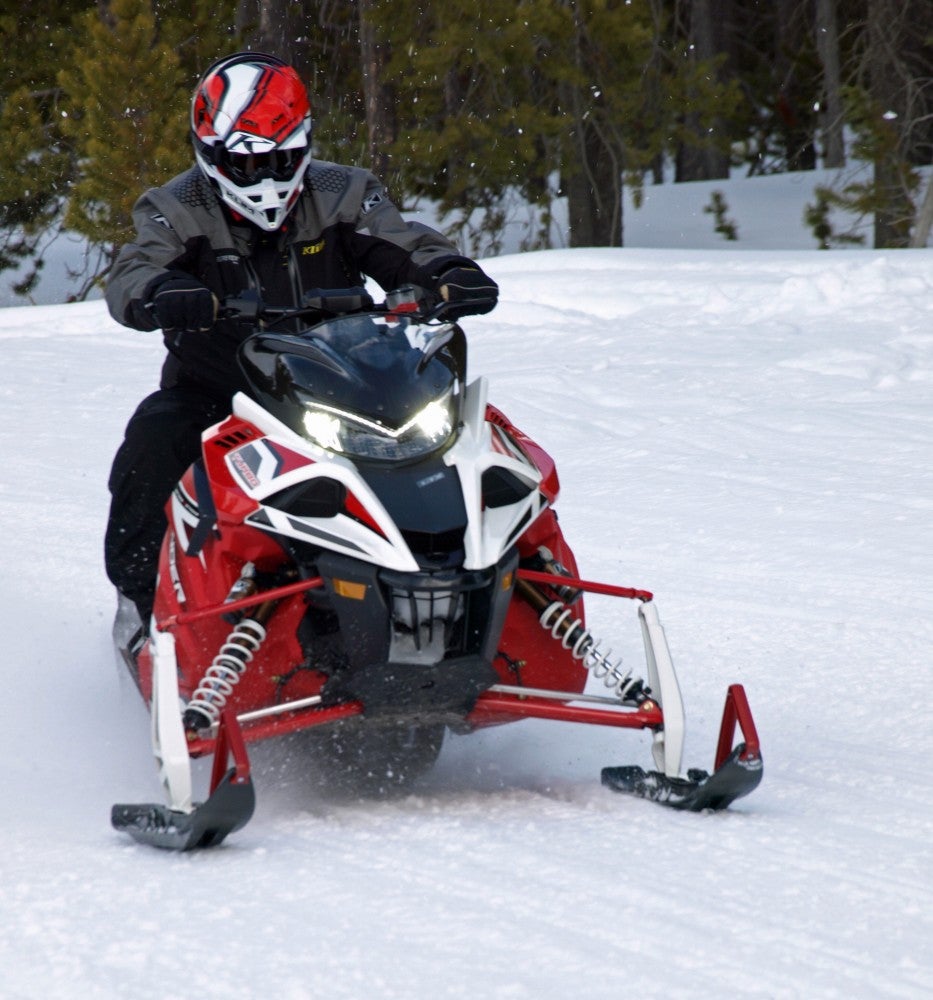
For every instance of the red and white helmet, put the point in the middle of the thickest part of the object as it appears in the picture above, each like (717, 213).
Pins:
(251, 129)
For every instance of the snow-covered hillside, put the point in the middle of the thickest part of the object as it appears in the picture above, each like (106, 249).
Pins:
(748, 434)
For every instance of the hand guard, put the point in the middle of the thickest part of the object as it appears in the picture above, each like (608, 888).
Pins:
(183, 303)
(468, 290)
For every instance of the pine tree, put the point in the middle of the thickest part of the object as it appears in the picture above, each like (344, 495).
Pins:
(128, 89)
(888, 107)
(110, 136)
(32, 186)
(607, 95)
(473, 112)
(35, 162)
(127, 97)
(498, 103)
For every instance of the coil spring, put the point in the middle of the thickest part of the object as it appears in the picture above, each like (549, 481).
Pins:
(573, 636)
(224, 673)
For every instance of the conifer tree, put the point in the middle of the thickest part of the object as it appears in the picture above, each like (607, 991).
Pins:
(500, 101)
(128, 90)
(32, 185)
(605, 104)
(35, 165)
(93, 107)
(126, 117)
(889, 106)
(474, 112)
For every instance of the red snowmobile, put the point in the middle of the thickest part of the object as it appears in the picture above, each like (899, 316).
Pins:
(367, 549)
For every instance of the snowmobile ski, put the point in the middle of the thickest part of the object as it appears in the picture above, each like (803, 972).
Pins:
(695, 793)
(228, 808)
(738, 771)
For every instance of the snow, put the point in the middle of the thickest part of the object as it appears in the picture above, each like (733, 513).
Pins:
(746, 432)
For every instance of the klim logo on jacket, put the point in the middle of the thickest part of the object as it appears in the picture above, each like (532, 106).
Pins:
(371, 202)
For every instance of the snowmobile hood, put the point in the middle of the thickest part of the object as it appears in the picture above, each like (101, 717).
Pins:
(379, 369)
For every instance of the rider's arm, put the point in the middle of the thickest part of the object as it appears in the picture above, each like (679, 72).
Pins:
(140, 265)
(383, 244)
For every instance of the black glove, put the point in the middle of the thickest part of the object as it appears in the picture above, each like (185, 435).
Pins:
(468, 291)
(183, 303)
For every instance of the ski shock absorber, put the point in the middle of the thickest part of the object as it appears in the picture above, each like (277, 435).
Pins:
(557, 618)
(228, 666)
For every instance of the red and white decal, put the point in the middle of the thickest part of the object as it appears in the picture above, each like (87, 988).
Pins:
(503, 444)
(260, 462)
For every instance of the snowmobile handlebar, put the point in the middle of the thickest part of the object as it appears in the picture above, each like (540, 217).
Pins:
(419, 303)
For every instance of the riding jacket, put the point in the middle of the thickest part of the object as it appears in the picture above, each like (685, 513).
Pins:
(342, 227)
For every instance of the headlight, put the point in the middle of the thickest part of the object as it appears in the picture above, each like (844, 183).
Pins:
(350, 434)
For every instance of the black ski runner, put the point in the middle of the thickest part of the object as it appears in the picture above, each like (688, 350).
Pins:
(698, 791)
(737, 771)
(228, 808)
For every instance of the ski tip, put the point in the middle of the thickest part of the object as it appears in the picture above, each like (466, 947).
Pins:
(229, 808)
(699, 791)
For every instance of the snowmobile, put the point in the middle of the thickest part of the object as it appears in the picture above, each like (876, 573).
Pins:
(367, 552)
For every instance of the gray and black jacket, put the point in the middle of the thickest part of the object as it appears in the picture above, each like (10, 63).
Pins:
(343, 227)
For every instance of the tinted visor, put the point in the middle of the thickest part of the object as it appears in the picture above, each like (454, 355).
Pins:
(245, 169)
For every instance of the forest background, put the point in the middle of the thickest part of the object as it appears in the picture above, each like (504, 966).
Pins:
(474, 105)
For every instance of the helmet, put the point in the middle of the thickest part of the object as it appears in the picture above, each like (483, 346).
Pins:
(251, 129)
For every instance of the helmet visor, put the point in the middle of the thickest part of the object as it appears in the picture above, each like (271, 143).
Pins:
(245, 169)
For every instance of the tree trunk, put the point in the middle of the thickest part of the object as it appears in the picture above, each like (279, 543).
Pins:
(272, 33)
(924, 220)
(594, 192)
(593, 179)
(831, 113)
(702, 162)
(795, 95)
(276, 27)
(378, 97)
(893, 215)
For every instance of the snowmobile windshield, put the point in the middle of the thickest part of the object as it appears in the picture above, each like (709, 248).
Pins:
(372, 387)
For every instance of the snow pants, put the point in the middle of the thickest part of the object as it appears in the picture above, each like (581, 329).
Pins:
(162, 438)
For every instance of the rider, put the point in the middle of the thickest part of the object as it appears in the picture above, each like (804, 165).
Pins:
(255, 212)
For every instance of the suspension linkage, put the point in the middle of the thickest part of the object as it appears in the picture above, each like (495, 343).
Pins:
(535, 576)
(557, 619)
(224, 607)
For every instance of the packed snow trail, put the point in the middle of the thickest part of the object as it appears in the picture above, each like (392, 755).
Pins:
(750, 436)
